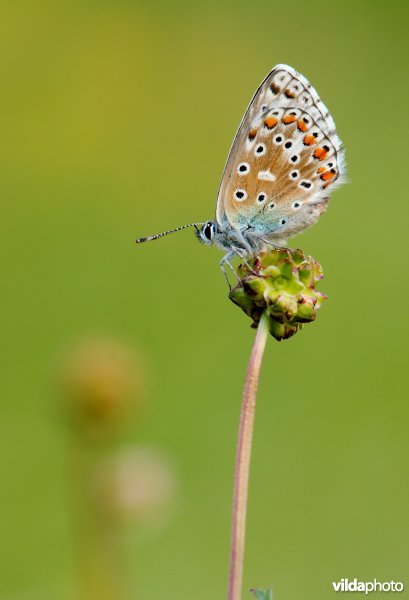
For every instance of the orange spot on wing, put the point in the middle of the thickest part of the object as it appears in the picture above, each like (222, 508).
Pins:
(322, 170)
(252, 133)
(309, 140)
(328, 175)
(302, 126)
(320, 153)
(289, 119)
(270, 122)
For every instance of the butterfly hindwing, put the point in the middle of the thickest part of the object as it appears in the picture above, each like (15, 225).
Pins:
(285, 156)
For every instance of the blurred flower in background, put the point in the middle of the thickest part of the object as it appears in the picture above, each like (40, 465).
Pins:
(103, 382)
(117, 487)
(136, 486)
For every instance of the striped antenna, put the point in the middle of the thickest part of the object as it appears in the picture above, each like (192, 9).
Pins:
(159, 235)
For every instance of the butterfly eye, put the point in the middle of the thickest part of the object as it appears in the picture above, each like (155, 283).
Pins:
(278, 139)
(240, 195)
(294, 174)
(260, 150)
(243, 168)
(208, 231)
(261, 197)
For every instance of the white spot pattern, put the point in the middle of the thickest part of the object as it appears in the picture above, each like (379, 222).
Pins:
(266, 176)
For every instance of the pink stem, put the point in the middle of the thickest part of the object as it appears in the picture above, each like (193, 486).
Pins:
(243, 456)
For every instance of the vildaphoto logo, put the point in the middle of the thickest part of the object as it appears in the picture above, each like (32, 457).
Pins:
(353, 585)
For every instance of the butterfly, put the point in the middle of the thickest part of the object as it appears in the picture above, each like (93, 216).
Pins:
(285, 160)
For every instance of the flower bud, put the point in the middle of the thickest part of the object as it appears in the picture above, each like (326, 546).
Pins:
(282, 283)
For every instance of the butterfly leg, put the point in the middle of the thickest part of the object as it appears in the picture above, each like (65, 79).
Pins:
(241, 254)
(273, 245)
(279, 247)
(226, 260)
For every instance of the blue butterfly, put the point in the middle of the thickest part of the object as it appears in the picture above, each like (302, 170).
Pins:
(284, 161)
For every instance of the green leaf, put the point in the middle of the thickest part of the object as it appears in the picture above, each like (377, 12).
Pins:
(260, 595)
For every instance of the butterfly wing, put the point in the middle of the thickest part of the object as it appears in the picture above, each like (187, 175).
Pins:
(284, 157)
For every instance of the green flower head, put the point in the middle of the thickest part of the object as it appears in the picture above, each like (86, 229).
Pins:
(282, 283)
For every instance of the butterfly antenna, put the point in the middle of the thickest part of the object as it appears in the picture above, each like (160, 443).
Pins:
(159, 235)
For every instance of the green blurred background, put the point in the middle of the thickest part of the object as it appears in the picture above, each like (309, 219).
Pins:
(116, 122)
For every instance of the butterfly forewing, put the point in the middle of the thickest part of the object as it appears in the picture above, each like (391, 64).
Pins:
(285, 156)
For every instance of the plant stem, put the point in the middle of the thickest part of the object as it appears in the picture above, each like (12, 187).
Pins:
(243, 455)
